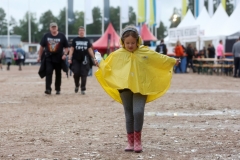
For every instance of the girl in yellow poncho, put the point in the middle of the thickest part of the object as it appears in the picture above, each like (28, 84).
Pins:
(134, 75)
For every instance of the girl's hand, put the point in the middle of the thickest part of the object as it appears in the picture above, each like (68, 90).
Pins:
(178, 61)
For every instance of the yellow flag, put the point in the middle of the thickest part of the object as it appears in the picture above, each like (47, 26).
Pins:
(224, 4)
(152, 10)
(141, 11)
(184, 7)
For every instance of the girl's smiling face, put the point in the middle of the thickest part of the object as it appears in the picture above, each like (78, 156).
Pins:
(130, 43)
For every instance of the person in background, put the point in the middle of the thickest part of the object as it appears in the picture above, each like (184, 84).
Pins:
(179, 52)
(1, 55)
(8, 55)
(80, 55)
(161, 48)
(53, 42)
(236, 55)
(220, 50)
(190, 54)
(129, 76)
(20, 57)
(211, 51)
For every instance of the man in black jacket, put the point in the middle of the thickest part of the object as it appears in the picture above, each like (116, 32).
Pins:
(190, 53)
(53, 43)
(161, 48)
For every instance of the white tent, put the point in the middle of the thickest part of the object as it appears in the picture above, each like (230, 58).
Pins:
(188, 20)
(233, 24)
(203, 20)
(218, 20)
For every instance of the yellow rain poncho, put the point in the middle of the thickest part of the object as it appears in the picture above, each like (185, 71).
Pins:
(143, 71)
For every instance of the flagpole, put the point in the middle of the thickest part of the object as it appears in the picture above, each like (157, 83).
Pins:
(103, 19)
(8, 26)
(120, 19)
(66, 20)
(156, 31)
(29, 23)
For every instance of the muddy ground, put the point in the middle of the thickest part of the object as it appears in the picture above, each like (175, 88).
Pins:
(197, 119)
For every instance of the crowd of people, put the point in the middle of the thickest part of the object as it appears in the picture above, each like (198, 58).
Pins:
(191, 53)
(10, 55)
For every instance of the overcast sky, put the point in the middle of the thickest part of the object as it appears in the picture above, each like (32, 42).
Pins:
(18, 8)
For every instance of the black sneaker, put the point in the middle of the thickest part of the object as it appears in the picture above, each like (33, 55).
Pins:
(76, 89)
(47, 92)
(57, 92)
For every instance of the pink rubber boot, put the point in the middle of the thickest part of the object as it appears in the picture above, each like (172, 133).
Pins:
(130, 146)
(137, 142)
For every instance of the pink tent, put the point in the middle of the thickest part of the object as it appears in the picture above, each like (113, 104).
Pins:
(109, 40)
(146, 35)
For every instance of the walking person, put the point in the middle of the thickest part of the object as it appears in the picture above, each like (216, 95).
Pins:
(236, 55)
(56, 48)
(80, 55)
(129, 76)
(190, 54)
(8, 55)
(20, 57)
(179, 52)
(161, 48)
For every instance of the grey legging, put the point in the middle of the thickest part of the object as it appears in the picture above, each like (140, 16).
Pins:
(134, 104)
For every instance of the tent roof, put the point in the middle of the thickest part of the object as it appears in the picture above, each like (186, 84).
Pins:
(146, 35)
(232, 25)
(102, 42)
(217, 21)
(188, 20)
(203, 19)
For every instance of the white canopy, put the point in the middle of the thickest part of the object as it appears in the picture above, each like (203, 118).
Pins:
(217, 22)
(203, 20)
(233, 24)
(188, 20)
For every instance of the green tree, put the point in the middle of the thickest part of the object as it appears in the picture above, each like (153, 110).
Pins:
(79, 21)
(96, 26)
(132, 17)
(61, 21)
(46, 18)
(161, 31)
(115, 18)
(22, 28)
(3, 22)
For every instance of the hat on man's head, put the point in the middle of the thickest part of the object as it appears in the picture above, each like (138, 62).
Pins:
(53, 24)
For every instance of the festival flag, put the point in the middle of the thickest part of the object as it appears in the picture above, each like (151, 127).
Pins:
(201, 6)
(106, 12)
(196, 8)
(124, 11)
(152, 12)
(88, 12)
(210, 7)
(224, 4)
(158, 13)
(184, 7)
(70, 12)
(141, 11)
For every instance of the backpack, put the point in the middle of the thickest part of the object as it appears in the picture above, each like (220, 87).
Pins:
(19, 55)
